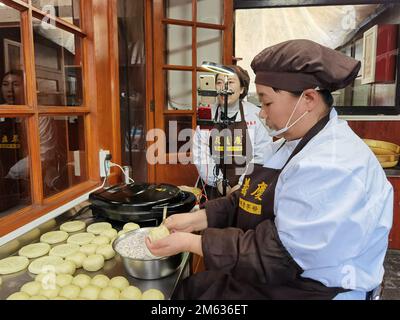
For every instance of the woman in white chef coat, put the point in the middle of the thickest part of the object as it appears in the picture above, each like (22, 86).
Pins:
(244, 120)
(313, 222)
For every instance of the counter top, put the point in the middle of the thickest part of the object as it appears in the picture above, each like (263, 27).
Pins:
(114, 267)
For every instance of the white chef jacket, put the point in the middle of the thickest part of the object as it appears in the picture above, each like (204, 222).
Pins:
(201, 149)
(334, 208)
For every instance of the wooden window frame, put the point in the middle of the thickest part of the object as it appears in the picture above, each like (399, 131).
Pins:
(160, 65)
(158, 172)
(31, 110)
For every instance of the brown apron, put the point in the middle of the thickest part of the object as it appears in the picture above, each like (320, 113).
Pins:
(237, 153)
(256, 205)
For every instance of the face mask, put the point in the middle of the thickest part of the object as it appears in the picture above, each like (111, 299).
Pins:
(274, 133)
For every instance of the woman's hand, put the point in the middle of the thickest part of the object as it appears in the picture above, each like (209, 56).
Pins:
(187, 222)
(175, 243)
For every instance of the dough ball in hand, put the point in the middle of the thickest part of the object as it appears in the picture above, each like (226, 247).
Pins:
(158, 233)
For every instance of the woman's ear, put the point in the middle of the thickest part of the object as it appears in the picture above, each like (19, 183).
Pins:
(311, 98)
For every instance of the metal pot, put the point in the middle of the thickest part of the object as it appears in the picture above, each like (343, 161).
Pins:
(148, 269)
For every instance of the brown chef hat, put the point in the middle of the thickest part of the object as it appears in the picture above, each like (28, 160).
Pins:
(244, 79)
(297, 65)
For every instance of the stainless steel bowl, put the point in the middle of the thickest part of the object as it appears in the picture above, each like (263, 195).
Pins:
(148, 269)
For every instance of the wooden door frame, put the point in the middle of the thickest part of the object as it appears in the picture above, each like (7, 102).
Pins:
(150, 99)
(155, 104)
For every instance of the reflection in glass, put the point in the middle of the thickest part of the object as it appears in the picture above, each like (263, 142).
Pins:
(209, 45)
(68, 10)
(11, 58)
(179, 45)
(361, 94)
(132, 80)
(176, 138)
(210, 11)
(338, 27)
(179, 90)
(58, 66)
(15, 192)
(178, 9)
(12, 88)
(358, 53)
(384, 95)
(62, 152)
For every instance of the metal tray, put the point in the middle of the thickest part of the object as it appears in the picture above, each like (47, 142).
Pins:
(112, 268)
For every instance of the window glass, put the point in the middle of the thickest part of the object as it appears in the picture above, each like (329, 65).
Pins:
(178, 9)
(68, 10)
(179, 45)
(368, 33)
(178, 133)
(11, 58)
(210, 11)
(58, 60)
(179, 90)
(15, 192)
(62, 152)
(209, 46)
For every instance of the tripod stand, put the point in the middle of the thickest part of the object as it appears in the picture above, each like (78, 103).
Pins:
(226, 92)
